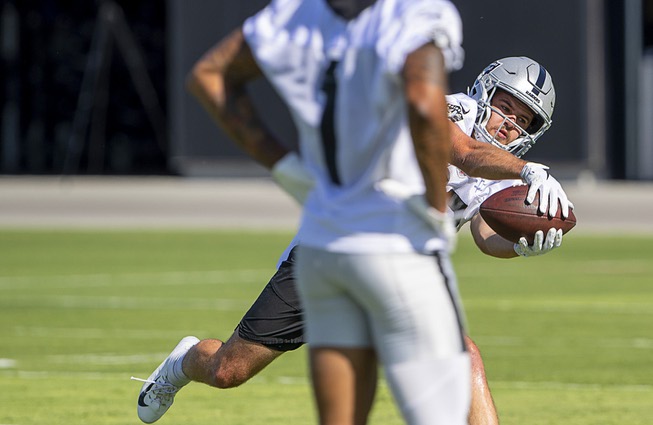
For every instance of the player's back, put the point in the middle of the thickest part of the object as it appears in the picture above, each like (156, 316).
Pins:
(341, 80)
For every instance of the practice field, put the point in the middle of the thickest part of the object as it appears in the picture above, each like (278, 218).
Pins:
(567, 338)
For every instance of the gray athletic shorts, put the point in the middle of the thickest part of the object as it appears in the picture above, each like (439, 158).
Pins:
(405, 307)
(355, 298)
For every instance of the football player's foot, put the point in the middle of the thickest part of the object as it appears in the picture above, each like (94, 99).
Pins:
(159, 390)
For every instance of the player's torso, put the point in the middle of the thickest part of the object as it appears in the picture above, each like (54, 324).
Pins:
(341, 82)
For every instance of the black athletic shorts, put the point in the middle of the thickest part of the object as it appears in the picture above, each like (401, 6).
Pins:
(275, 320)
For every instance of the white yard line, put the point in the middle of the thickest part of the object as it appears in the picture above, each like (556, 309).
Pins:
(107, 359)
(128, 279)
(570, 386)
(96, 333)
(507, 341)
(562, 306)
(144, 303)
(7, 363)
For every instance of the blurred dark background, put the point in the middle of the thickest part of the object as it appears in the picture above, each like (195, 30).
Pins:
(96, 87)
(51, 49)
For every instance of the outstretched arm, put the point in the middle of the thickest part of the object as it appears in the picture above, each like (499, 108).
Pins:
(480, 159)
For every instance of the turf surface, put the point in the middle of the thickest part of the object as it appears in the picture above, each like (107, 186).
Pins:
(567, 338)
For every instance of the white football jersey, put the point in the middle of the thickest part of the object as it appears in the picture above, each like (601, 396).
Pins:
(341, 81)
(468, 192)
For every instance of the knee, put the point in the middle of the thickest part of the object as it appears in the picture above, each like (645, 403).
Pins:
(227, 376)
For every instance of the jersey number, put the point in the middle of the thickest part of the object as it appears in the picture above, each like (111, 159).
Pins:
(327, 126)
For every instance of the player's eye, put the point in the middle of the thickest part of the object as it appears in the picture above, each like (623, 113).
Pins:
(523, 122)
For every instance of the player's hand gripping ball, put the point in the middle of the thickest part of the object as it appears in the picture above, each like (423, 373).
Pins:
(508, 214)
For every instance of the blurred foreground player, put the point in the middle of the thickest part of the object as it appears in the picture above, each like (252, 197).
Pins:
(374, 277)
(364, 82)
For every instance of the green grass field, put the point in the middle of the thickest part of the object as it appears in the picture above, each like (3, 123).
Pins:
(567, 338)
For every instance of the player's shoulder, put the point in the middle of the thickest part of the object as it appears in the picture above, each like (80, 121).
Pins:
(461, 108)
(403, 26)
(460, 105)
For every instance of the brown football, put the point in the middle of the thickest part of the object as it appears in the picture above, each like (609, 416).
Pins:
(507, 213)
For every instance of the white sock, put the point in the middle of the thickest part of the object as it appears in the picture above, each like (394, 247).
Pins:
(178, 377)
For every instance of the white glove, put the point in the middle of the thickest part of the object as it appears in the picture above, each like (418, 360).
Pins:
(442, 223)
(551, 192)
(289, 173)
(540, 245)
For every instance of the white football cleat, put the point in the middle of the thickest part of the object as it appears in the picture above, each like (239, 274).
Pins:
(158, 392)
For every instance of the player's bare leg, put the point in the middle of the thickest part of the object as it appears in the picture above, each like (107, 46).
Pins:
(344, 382)
(228, 364)
(482, 410)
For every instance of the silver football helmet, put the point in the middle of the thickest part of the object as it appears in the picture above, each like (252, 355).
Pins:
(526, 80)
